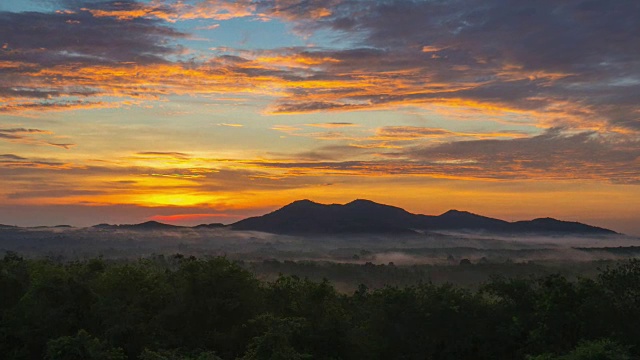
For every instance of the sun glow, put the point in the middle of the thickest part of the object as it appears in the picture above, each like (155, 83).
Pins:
(175, 199)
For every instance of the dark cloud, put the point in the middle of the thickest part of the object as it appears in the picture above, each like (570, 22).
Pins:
(11, 157)
(576, 58)
(48, 39)
(12, 165)
(44, 53)
(66, 146)
(571, 63)
(555, 154)
(301, 107)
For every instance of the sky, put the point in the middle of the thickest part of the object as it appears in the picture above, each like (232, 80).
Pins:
(202, 111)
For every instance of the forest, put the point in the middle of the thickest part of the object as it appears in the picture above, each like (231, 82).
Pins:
(184, 307)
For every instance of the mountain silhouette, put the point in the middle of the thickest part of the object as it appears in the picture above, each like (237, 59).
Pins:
(463, 220)
(556, 226)
(305, 216)
(210, 226)
(149, 225)
(365, 216)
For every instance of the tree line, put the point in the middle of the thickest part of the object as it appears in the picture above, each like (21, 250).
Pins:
(176, 307)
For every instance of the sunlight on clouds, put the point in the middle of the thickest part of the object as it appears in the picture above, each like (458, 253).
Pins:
(175, 199)
(549, 115)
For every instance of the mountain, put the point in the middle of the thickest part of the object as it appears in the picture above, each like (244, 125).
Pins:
(305, 216)
(557, 226)
(149, 225)
(364, 216)
(464, 220)
(210, 226)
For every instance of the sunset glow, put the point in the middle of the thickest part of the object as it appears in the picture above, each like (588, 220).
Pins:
(203, 111)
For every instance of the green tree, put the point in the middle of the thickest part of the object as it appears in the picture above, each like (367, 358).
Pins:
(277, 339)
(82, 346)
(178, 355)
(211, 300)
(603, 349)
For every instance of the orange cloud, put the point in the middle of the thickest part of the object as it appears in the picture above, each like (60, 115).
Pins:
(134, 12)
(410, 133)
(333, 125)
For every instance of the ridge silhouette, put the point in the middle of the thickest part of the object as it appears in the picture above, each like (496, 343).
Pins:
(366, 216)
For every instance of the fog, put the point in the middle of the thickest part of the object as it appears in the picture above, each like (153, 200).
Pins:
(439, 248)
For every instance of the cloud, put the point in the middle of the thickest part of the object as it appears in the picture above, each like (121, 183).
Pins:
(11, 157)
(31, 137)
(161, 154)
(58, 60)
(412, 133)
(333, 125)
(324, 153)
(50, 106)
(151, 179)
(167, 10)
(230, 125)
(61, 145)
(552, 155)
(11, 165)
(47, 39)
(9, 133)
(53, 193)
(216, 9)
(556, 154)
(210, 27)
(324, 135)
(130, 10)
(570, 63)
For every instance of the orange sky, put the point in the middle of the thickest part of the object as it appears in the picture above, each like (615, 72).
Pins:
(214, 110)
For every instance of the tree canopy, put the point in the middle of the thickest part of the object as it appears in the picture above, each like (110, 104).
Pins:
(176, 307)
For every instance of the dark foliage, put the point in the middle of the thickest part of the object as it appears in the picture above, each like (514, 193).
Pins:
(169, 308)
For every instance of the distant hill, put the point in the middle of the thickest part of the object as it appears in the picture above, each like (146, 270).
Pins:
(557, 226)
(149, 225)
(364, 216)
(305, 217)
(210, 226)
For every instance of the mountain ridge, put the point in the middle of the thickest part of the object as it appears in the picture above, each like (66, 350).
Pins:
(147, 225)
(361, 216)
(366, 216)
